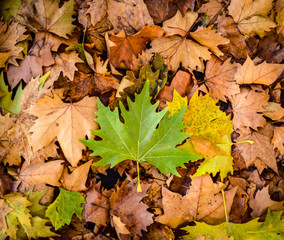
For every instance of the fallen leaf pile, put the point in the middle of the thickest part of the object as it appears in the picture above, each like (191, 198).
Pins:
(141, 119)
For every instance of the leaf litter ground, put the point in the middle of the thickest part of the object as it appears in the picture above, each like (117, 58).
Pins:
(185, 103)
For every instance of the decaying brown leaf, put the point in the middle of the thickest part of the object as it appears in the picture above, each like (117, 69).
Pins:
(126, 204)
(10, 35)
(96, 208)
(237, 45)
(66, 121)
(31, 67)
(274, 111)
(202, 202)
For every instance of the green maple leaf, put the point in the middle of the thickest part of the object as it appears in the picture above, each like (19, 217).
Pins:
(67, 203)
(272, 228)
(138, 138)
(7, 103)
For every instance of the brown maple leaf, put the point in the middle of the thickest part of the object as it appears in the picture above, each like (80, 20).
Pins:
(211, 8)
(124, 47)
(251, 16)
(248, 107)
(96, 208)
(176, 47)
(126, 204)
(261, 149)
(263, 73)
(202, 202)
(237, 45)
(47, 16)
(65, 63)
(66, 121)
(219, 78)
(38, 56)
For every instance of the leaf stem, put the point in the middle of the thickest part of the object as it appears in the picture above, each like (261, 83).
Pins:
(225, 208)
(139, 189)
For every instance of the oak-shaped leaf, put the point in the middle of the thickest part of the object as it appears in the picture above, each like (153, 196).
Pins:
(66, 121)
(67, 203)
(139, 138)
(271, 228)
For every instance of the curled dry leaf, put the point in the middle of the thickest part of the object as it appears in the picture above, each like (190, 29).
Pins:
(202, 202)
(262, 201)
(248, 107)
(263, 73)
(182, 83)
(219, 78)
(76, 181)
(126, 204)
(66, 121)
(274, 111)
